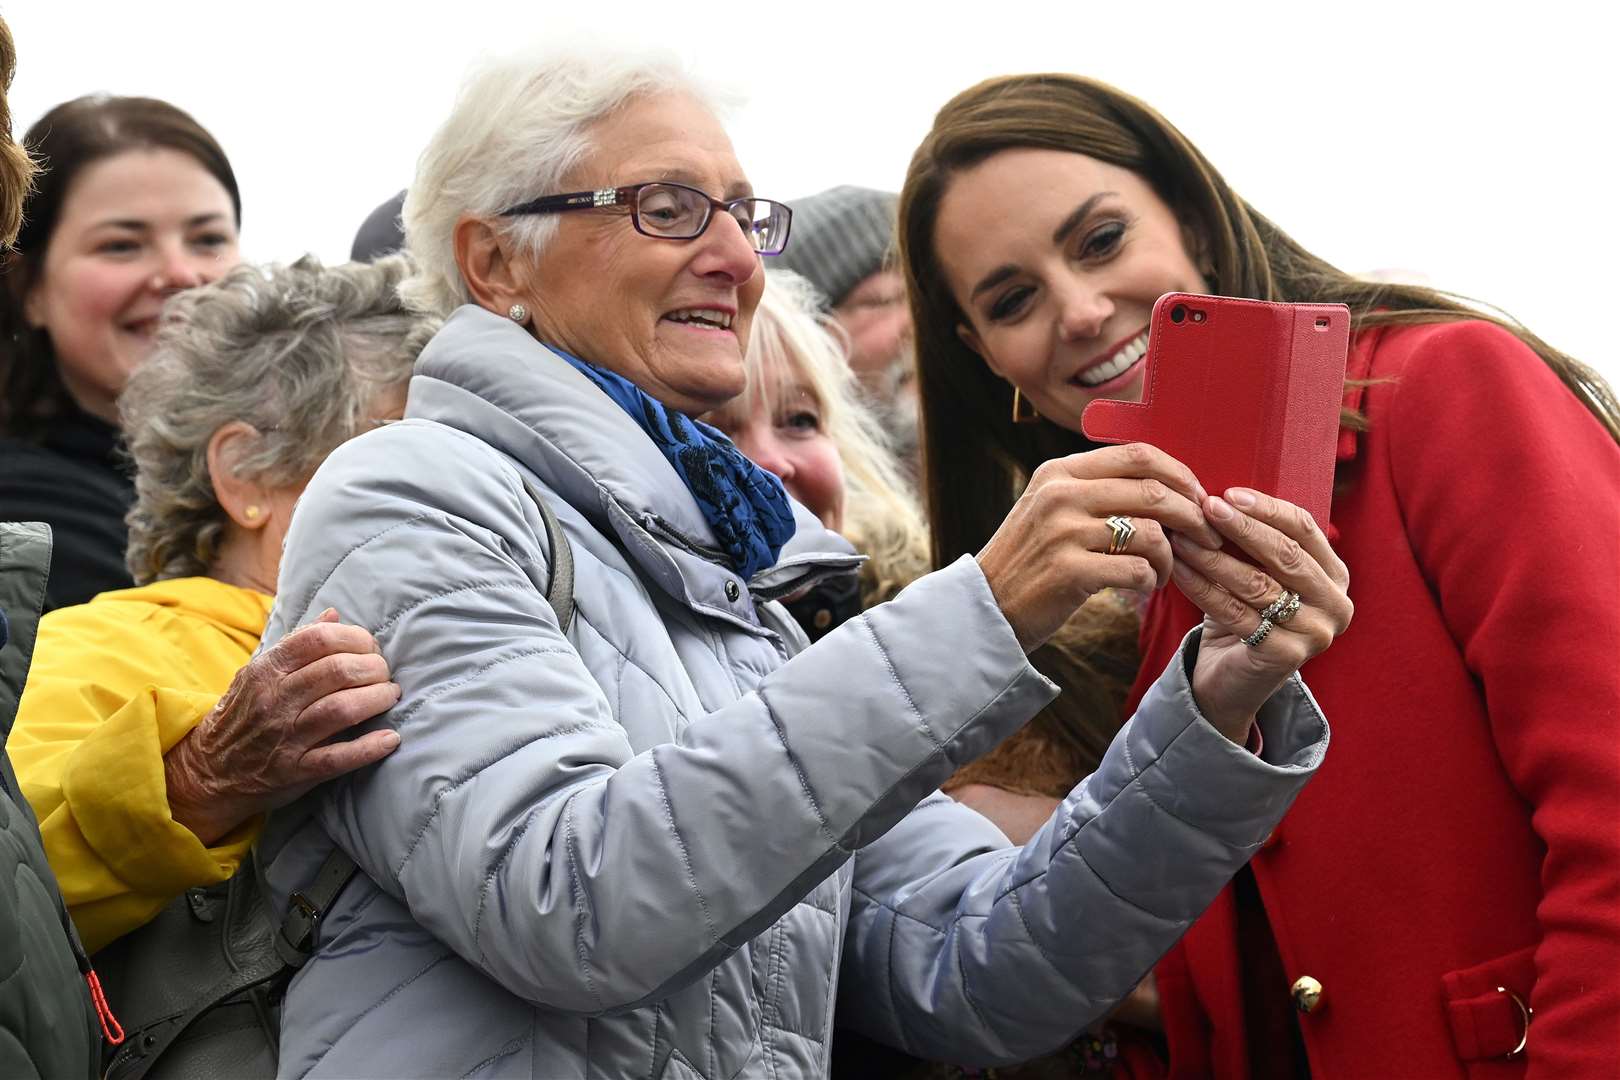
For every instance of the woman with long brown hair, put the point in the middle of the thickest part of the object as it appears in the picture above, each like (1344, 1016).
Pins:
(1403, 921)
(134, 202)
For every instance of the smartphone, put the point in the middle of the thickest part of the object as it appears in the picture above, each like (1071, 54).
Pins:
(1245, 393)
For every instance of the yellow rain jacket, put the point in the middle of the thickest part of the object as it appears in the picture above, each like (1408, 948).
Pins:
(115, 683)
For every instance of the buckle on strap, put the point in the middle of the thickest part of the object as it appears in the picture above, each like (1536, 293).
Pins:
(297, 936)
(1525, 1015)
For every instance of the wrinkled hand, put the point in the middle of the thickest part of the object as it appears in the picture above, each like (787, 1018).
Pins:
(1232, 680)
(1050, 555)
(272, 736)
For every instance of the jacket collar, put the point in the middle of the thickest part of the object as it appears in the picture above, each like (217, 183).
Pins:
(489, 377)
(233, 609)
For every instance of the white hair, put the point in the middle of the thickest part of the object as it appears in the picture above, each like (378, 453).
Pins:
(518, 128)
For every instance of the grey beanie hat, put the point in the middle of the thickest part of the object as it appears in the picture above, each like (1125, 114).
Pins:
(839, 238)
(381, 233)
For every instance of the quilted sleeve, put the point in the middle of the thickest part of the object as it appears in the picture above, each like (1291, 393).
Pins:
(963, 949)
(514, 820)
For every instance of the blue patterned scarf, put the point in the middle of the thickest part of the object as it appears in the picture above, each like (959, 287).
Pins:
(744, 505)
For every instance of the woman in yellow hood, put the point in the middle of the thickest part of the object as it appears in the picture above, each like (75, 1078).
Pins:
(148, 744)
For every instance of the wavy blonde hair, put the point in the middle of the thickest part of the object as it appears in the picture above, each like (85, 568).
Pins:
(793, 341)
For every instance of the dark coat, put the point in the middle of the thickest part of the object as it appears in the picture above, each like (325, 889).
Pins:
(48, 1023)
(75, 481)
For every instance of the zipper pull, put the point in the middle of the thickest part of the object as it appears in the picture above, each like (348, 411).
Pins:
(110, 1027)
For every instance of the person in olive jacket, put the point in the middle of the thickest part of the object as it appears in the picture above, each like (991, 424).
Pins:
(48, 1024)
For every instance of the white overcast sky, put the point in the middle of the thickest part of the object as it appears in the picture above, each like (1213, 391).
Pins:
(1471, 143)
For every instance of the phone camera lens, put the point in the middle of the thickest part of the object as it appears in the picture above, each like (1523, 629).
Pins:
(1178, 314)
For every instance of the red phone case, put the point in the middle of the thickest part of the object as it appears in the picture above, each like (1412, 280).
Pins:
(1245, 393)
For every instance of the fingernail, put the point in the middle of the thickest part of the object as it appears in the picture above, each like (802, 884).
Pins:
(390, 739)
(1220, 510)
(1241, 496)
(1180, 571)
(1181, 543)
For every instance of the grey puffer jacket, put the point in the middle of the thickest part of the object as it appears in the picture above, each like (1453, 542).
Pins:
(657, 846)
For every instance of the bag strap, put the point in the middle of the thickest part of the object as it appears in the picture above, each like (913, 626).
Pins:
(306, 908)
(560, 590)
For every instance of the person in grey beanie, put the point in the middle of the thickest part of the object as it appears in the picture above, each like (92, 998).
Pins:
(841, 241)
(381, 233)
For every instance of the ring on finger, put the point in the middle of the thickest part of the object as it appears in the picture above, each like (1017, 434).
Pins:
(1260, 633)
(1282, 609)
(1120, 531)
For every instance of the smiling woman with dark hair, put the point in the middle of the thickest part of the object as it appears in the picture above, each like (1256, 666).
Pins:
(1408, 918)
(134, 202)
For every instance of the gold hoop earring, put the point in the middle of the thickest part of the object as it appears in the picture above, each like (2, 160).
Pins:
(1022, 411)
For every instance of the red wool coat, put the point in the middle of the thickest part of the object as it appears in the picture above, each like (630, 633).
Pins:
(1463, 833)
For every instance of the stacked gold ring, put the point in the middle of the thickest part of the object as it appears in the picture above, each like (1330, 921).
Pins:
(1120, 532)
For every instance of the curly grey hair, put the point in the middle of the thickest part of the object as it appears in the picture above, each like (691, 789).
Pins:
(301, 353)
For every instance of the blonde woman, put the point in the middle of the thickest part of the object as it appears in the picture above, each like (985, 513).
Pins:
(802, 419)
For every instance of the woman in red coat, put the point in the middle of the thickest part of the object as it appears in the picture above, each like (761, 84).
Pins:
(1445, 900)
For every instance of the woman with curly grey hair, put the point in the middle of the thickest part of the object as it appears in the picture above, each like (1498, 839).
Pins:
(147, 743)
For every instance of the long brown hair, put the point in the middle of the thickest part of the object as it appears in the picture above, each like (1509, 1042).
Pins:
(16, 169)
(976, 460)
(66, 140)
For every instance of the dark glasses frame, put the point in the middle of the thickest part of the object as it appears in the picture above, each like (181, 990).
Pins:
(630, 196)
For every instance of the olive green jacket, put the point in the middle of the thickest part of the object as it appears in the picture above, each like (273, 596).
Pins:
(48, 1024)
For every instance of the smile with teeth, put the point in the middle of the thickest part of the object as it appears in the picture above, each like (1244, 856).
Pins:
(1115, 365)
(719, 320)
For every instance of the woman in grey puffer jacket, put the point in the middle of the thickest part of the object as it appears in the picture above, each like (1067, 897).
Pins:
(657, 842)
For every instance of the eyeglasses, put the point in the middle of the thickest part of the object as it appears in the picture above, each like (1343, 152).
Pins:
(668, 211)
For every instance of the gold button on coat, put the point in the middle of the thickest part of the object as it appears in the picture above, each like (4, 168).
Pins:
(1307, 993)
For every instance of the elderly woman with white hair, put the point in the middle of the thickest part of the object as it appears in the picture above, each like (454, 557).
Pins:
(148, 744)
(641, 829)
